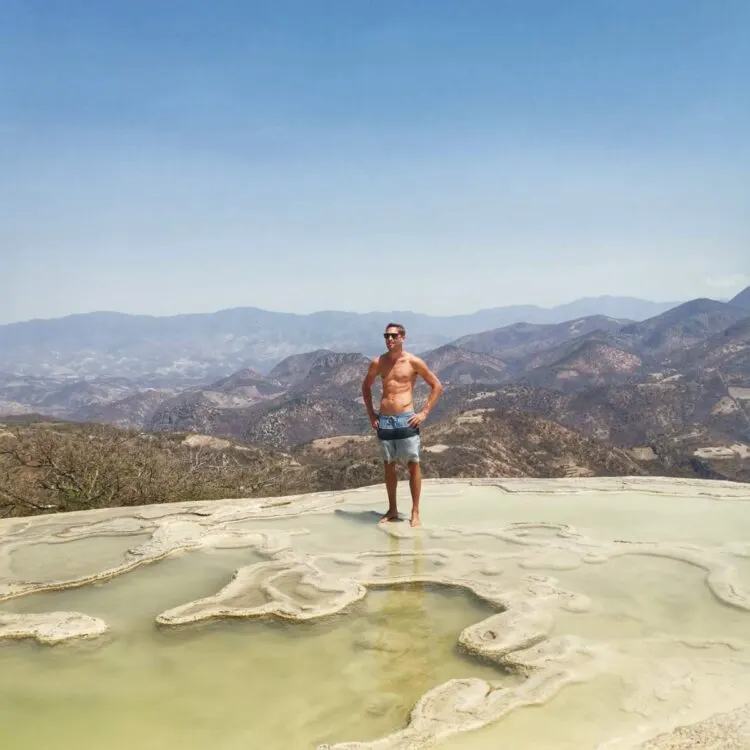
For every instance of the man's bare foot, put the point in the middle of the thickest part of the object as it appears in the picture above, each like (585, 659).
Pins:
(415, 522)
(388, 517)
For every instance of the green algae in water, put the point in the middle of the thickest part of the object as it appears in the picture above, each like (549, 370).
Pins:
(262, 683)
(132, 600)
(642, 596)
(58, 560)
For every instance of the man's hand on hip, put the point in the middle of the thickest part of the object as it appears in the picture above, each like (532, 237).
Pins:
(417, 419)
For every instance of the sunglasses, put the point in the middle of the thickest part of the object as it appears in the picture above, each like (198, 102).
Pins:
(391, 335)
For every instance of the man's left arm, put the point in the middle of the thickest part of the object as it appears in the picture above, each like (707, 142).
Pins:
(436, 390)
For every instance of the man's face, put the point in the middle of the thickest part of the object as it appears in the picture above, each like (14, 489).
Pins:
(393, 338)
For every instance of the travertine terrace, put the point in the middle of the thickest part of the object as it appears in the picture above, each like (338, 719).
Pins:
(633, 589)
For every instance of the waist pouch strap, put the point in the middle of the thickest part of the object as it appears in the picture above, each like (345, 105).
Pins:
(397, 433)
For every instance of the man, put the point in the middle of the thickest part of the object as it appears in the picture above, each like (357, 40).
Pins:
(396, 423)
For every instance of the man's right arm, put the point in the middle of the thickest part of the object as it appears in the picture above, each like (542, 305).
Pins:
(372, 373)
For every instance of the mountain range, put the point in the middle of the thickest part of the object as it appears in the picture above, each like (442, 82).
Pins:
(198, 348)
(674, 387)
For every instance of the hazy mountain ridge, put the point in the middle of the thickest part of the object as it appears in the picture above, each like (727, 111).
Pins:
(681, 327)
(586, 364)
(742, 299)
(337, 373)
(567, 357)
(632, 413)
(296, 367)
(200, 348)
(132, 411)
(522, 340)
(728, 350)
(454, 364)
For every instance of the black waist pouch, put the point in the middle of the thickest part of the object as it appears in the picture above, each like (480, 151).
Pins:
(397, 433)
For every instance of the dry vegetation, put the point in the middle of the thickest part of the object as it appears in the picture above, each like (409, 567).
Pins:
(495, 442)
(48, 467)
(62, 467)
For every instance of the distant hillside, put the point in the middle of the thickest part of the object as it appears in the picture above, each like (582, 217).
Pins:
(696, 425)
(454, 364)
(295, 368)
(742, 299)
(598, 350)
(247, 384)
(299, 420)
(509, 442)
(681, 377)
(493, 442)
(199, 348)
(586, 364)
(46, 467)
(322, 398)
(521, 340)
(13, 408)
(681, 327)
(727, 352)
(629, 414)
(133, 411)
(337, 373)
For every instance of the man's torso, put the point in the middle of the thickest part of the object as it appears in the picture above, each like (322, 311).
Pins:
(398, 379)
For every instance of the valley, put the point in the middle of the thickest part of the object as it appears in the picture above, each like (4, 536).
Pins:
(669, 394)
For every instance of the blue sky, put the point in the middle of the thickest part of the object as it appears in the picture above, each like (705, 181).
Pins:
(165, 157)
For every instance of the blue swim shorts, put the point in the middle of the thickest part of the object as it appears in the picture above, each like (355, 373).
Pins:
(397, 439)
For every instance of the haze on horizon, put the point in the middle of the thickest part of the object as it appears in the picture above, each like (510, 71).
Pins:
(442, 157)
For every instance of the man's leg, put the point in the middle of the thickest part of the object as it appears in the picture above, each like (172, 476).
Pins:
(410, 452)
(415, 485)
(391, 483)
(388, 452)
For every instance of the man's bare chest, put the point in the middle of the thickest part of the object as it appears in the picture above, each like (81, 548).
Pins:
(398, 372)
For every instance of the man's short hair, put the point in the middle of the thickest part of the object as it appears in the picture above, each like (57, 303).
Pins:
(401, 329)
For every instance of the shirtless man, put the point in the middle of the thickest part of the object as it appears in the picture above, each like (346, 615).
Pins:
(396, 423)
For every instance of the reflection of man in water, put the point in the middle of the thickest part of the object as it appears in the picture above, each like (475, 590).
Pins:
(409, 627)
(396, 422)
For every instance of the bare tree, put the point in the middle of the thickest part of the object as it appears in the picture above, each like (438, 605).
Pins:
(47, 468)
